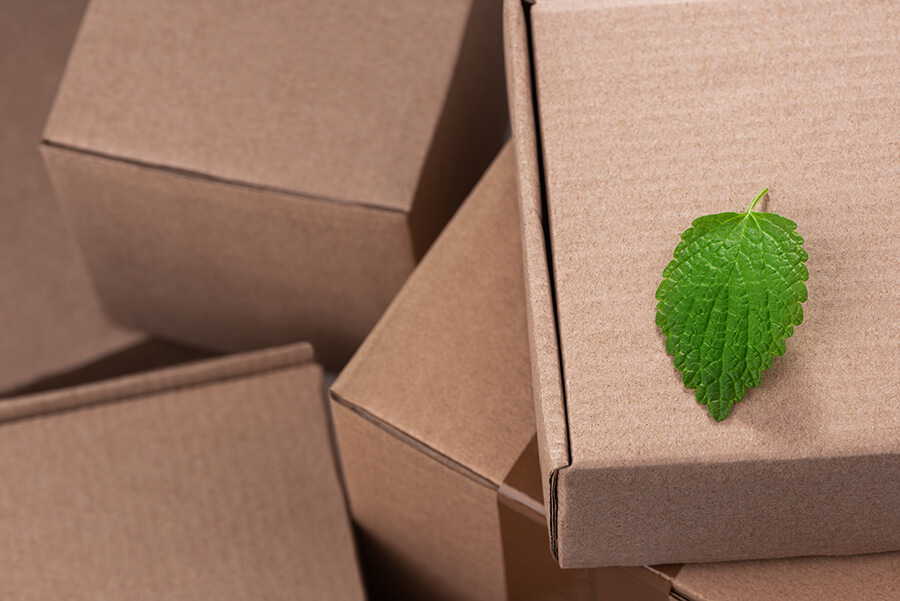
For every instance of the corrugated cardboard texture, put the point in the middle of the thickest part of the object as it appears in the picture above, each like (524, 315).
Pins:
(550, 410)
(49, 315)
(417, 370)
(212, 481)
(334, 100)
(228, 266)
(652, 114)
(869, 577)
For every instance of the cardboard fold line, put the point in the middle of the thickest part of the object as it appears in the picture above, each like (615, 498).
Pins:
(126, 486)
(209, 177)
(550, 411)
(152, 382)
(413, 442)
(351, 136)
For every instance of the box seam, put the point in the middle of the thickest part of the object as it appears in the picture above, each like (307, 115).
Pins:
(415, 443)
(197, 175)
(28, 407)
(548, 250)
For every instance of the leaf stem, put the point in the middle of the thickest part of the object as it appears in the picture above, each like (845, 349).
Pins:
(758, 198)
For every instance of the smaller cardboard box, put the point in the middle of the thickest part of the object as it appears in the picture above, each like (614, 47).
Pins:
(212, 480)
(435, 424)
(630, 119)
(243, 178)
(49, 314)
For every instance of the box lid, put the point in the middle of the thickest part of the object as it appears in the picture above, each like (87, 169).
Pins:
(870, 577)
(211, 480)
(651, 114)
(333, 100)
(440, 366)
(650, 128)
(50, 318)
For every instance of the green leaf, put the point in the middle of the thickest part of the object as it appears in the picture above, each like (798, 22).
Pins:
(729, 300)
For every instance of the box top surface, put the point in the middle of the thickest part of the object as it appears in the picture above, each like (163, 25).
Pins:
(803, 579)
(654, 113)
(208, 464)
(448, 362)
(333, 100)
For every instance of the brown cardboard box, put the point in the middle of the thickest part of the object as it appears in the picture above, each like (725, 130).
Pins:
(239, 178)
(49, 315)
(214, 480)
(653, 113)
(440, 459)
(435, 424)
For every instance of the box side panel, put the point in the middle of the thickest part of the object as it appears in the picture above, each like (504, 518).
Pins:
(448, 362)
(330, 99)
(629, 584)
(748, 510)
(426, 531)
(50, 318)
(549, 401)
(225, 490)
(869, 577)
(531, 572)
(141, 357)
(229, 267)
(472, 127)
(155, 382)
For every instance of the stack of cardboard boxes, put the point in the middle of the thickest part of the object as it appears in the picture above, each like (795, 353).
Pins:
(434, 419)
(251, 180)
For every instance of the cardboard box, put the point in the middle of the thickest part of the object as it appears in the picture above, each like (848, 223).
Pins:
(49, 314)
(649, 115)
(435, 424)
(270, 175)
(440, 458)
(213, 480)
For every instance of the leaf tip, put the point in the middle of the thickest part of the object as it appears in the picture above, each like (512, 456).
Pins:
(719, 409)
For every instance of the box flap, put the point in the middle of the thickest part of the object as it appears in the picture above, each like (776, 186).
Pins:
(334, 100)
(550, 414)
(144, 356)
(443, 365)
(869, 577)
(550, 409)
(654, 113)
(50, 318)
(212, 481)
(651, 127)
(153, 382)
